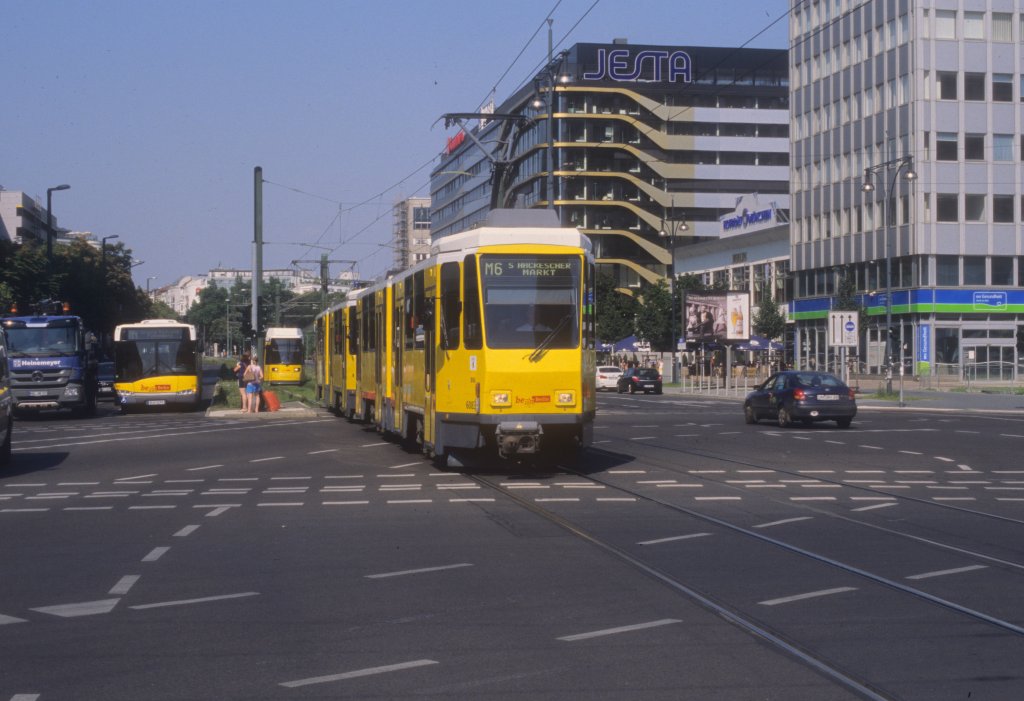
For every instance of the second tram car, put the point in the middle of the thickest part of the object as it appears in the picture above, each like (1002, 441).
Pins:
(283, 356)
(157, 363)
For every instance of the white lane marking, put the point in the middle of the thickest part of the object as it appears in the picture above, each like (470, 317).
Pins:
(275, 457)
(88, 508)
(280, 503)
(410, 501)
(217, 510)
(358, 673)
(85, 608)
(399, 467)
(151, 436)
(1010, 435)
(318, 452)
(186, 602)
(483, 499)
(965, 467)
(186, 531)
(124, 585)
(344, 503)
(541, 499)
(204, 467)
(876, 506)
(151, 507)
(808, 595)
(672, 538)
(301, 477)
(939, 457)
(21, 511)
(422, 570)
(616, 499)
(871, 447)
(25, 697)
(943, 573)
(155, 554)
(718, 498)
(785, 520)
(643, 438)
(620, 629)
(4, 620)
(911, 452)
(627, 472)
(373, 445)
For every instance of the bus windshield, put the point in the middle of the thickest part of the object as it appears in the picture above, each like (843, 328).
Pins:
(143, 353)
(283, 351)
(531, 300)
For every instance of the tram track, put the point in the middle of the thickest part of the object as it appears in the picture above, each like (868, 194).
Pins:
(739, 614)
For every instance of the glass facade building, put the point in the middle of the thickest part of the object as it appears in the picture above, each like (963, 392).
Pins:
(881, 89)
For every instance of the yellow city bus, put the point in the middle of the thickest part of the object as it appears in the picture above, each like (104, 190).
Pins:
(157, 363)
(283, 354)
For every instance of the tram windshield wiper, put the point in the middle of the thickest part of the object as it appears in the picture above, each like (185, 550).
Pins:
(550, 338)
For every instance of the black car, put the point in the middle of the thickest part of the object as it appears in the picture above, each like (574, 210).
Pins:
(801, 395)
(640, 380)
(105, 381)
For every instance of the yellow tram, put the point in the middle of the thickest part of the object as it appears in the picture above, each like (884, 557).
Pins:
(334, 359)
(488, 344)
(283, 355)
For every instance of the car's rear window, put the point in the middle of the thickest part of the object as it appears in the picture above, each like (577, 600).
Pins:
(814, 379)
(647, 374)
(609, 368)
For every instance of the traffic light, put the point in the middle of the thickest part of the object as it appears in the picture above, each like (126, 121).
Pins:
(263, 314)
(246, 324)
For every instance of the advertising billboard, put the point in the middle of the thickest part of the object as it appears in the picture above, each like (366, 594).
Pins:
(716, 317)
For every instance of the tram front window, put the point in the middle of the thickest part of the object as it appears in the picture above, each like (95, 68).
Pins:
(284, 351)
(531, 300)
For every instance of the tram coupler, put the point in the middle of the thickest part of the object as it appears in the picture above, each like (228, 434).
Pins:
(518, 438)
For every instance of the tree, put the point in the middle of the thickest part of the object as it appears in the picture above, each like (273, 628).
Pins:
(654, 317)
(616, 311)
(769, 321)
(847, 300)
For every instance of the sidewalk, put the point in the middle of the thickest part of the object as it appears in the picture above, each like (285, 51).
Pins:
(914, 400)
(288, 410)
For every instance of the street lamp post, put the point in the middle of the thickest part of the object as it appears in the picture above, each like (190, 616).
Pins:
(904, 164)
(669, 229)
(49, 220)
(151, 277)
(103, 249)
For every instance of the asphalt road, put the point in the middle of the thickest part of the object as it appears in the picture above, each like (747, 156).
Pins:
(687, 556)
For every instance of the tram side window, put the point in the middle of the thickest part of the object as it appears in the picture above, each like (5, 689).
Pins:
(450, 306)
(419, 306)
(410, 316)
(369, 326)
(338, 326)
(473, 333)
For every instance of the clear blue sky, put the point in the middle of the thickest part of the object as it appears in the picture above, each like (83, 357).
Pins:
(156, 113)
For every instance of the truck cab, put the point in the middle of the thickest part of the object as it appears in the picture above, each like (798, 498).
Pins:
(51, 362)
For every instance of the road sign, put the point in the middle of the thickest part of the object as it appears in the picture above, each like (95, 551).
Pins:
(843, 328)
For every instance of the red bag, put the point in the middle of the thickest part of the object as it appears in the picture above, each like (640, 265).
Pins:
(270, 400)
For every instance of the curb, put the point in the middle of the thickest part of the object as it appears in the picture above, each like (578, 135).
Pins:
(289, 410)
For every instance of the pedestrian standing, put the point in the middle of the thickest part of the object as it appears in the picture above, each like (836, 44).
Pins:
(253, 381)
(240, 367)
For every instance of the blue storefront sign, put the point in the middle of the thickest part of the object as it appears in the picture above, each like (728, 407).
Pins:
(924, 347)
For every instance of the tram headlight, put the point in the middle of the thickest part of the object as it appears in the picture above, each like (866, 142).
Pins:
(565, 398)
(501, 398)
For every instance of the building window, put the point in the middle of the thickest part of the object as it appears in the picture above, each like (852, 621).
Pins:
(974, 86)
(974, 207)
(947, 208)
(945, 146)
(974, 25)
(947, 271)
(946, 84)
(1002, 270)
(974, 147)
(1002, 26)
(974, 270)
(1002, 209)
(945, 24)
(1002, 147)
(1002, 87)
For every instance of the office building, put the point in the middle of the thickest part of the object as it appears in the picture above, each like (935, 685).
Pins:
(921, 102)
(640, 137)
